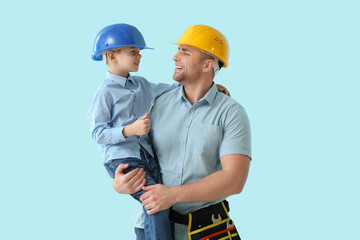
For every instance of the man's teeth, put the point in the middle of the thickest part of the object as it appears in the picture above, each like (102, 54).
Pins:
(178, 67)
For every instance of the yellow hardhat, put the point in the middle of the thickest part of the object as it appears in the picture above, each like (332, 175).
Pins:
(207, 39)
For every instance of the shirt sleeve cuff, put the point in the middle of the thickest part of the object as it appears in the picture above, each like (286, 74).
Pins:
(236, 148)
(117, 134)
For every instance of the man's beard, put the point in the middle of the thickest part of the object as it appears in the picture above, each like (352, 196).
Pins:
(186, 77)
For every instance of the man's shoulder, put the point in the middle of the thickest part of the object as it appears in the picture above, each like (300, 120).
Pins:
(224, 101)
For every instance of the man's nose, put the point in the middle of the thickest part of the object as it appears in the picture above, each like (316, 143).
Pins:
(176, 57)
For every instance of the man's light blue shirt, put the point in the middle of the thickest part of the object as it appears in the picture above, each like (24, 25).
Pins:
(119, 102)
(189, 140)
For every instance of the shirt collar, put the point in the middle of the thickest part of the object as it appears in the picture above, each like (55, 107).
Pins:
(118, 79)
(209, 96)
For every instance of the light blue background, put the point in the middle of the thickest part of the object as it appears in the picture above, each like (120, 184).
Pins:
(294, 66)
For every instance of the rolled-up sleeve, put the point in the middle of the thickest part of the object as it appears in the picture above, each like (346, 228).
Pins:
(237, 133)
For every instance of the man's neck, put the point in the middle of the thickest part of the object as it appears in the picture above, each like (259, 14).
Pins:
(196, 90)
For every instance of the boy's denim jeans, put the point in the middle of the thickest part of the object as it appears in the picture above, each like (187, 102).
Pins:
(156, 226)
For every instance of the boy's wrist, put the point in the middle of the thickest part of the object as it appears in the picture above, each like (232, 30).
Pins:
(127, 131)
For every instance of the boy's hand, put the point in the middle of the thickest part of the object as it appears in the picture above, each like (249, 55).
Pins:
(142, 125)
(139, 127)
(223, 89)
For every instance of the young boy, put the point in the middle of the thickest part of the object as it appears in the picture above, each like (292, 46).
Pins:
(118, 116)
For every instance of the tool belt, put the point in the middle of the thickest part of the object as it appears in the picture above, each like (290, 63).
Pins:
(211, 222)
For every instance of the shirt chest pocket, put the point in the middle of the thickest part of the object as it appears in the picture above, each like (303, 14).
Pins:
(208, 139)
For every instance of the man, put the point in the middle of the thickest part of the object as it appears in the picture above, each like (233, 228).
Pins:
(202, 141)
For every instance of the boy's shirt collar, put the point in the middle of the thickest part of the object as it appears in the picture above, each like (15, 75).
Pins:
(118, 79)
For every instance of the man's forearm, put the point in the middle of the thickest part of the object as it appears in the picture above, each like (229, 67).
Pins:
(215, 186)
(221, 184)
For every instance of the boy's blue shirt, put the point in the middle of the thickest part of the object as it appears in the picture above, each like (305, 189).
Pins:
(117, 103)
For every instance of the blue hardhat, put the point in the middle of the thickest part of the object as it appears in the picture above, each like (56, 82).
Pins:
(115, 36)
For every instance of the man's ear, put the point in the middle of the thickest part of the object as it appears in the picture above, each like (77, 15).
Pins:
(209, 65)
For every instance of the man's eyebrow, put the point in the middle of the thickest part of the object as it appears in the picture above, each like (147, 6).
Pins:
(184, 49)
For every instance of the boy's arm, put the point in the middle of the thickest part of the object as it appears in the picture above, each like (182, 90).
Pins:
(161, 88)
(99, 119)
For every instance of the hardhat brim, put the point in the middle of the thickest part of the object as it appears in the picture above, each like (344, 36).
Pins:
(97, 57)
(225, 65)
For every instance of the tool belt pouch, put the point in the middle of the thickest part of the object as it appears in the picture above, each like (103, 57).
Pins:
(212, 223)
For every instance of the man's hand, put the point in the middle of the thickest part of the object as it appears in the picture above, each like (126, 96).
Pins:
(129, 183)
(157, 198)
(223, 89)
(139, 127)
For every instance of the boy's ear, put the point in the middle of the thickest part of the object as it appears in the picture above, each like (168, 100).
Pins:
(209, 65)
(110, 55)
